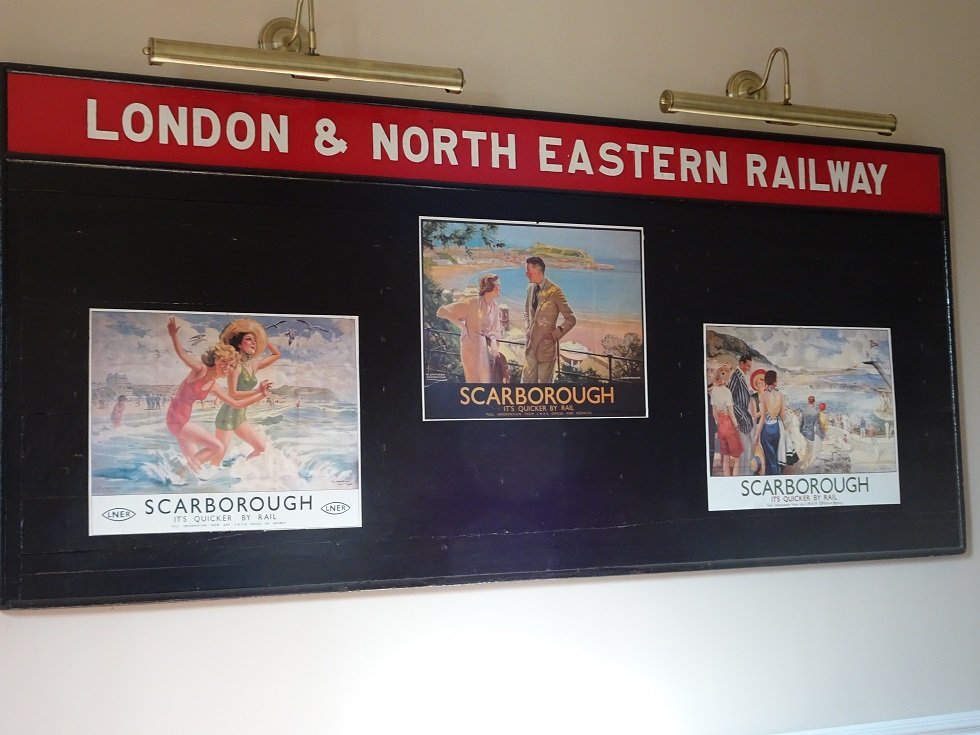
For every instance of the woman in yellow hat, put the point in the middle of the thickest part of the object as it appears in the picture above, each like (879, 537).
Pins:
(249, 338)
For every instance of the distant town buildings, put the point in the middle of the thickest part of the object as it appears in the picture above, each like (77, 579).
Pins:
(119, 384)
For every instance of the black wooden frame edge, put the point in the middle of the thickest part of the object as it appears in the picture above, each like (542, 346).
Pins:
(9, 601)
(470, 579)
(5, 577)
(952, 359)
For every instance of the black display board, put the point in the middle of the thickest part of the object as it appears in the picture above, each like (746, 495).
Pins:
(443, 498)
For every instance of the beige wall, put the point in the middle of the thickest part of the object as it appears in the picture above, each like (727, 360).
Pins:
(745, 651)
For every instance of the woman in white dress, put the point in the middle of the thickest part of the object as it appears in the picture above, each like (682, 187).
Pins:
(723, 405)
(479, 320)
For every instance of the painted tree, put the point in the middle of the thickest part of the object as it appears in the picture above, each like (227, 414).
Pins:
(629, 347)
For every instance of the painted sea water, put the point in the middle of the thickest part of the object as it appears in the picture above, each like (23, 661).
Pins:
(600, 294)
(853, 404)
(313, 446)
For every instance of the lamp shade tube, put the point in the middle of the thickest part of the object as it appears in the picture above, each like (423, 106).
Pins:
(776, 112)
(163, 51)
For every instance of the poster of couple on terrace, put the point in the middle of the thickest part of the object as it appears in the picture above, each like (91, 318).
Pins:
(531, 320)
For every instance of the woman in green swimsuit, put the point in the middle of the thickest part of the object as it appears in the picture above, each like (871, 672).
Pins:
(249, 338)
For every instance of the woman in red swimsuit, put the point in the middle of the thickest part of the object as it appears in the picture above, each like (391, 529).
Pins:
(196, 443)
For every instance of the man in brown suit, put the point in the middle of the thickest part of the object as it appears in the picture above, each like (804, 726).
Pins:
(544, 303)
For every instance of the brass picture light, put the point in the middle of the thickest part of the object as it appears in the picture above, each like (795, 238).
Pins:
(746, 98)
(286, 47)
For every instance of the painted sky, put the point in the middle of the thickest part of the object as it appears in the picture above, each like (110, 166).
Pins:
(137, 344)
(815, 348)
(624, 244)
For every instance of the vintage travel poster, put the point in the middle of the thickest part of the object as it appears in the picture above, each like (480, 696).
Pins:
(222, 422)
(531, 320)
(799, 417)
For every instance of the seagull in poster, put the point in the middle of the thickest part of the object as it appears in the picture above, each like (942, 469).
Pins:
(327, 333)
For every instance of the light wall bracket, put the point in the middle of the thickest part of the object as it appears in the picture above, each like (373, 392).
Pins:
(746, 98)
(286, 47)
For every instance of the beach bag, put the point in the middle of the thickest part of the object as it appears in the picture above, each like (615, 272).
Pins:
(786, 454)
(792, 457)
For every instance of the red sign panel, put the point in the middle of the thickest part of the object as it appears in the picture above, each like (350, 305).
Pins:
(84, 118)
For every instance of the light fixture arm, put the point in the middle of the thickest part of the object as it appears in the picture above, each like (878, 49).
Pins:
(312, 31)
(765, 77)
(297, 27)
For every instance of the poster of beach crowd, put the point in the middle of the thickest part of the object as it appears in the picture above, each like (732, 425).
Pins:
(531, 320)
(799, 417)
(222, 422)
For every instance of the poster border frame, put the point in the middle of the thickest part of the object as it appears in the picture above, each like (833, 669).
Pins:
(707, 407)
(643, 317)
(354, 319)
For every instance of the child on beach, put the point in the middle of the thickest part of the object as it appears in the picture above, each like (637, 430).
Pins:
(117, 412)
